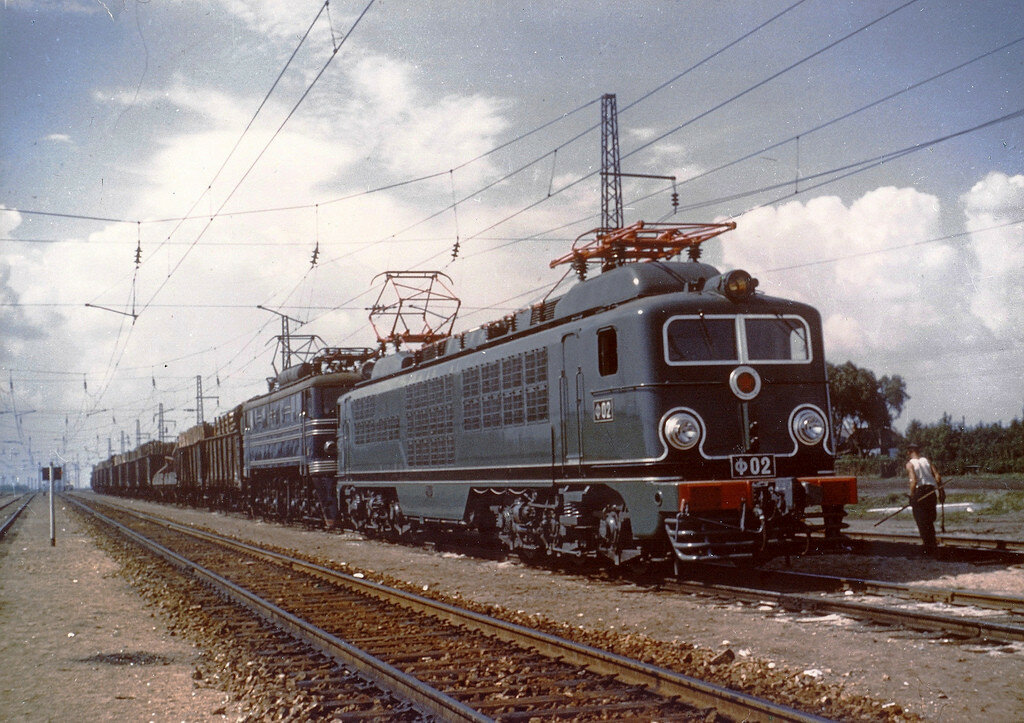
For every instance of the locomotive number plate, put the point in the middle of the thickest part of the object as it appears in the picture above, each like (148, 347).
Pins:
(752, 465)
(603, 410)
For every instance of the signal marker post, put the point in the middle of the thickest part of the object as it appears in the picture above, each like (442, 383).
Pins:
(51, 473)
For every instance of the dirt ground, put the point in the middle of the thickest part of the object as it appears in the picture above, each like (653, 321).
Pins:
(77, 643)
(41, 604)
(934, 678)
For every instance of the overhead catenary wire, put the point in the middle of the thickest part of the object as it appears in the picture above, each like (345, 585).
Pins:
(240, 181)
(576, 137)
(252, 120)
(267, 145)
(665, 134)
(225, 214)
(761, 83)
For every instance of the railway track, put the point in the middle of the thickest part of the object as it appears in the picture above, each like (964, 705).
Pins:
(900, 604)
(956, 546)
(10, 519)
(452, 663)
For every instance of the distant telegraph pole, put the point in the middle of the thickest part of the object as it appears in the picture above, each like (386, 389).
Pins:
(199, 400)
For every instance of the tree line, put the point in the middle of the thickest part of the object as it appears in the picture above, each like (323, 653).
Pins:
(864, 408)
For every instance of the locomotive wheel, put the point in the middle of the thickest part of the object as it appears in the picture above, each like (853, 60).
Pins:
(614, 535)
(833, 519)
(518, 526)
(398, 527)
(530, 554)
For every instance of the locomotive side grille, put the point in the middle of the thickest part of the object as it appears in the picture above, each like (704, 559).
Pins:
(507, 392)
(430, 438)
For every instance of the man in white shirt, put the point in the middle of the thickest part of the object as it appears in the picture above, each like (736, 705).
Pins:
(925, 491)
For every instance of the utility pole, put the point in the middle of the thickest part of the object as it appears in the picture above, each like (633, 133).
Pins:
(161, 423)
(199, 400)
(138, 433)
(285, 338)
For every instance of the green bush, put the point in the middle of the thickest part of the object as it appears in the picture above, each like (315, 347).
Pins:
(958, 448)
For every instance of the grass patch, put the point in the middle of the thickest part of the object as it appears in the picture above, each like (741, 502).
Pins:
(988, 502)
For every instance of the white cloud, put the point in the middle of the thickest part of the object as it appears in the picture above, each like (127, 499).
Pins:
(285, 19)
(997, 299)
(16, 324)
(10, 219)
(372, 120)
(58, 138)
(392, 118)
(895, 300)
(871, 281)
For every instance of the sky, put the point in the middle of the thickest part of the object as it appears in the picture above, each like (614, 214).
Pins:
(168, 167)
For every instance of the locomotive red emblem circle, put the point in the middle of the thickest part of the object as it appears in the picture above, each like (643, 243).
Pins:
(745, 382)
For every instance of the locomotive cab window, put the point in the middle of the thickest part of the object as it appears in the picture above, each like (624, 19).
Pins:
(777, 338)
(766, 339)
(699, 339)
(607, 351)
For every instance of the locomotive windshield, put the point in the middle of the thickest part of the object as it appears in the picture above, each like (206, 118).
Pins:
(734, 339)
(779, 338)
(699, 339)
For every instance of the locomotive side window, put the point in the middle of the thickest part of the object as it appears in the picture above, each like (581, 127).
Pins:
(777, 338)
(607, 351)
(696, 339)
(330, 396)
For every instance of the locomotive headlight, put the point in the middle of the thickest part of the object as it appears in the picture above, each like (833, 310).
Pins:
(682, 430)
(736, 285)
(808, 426)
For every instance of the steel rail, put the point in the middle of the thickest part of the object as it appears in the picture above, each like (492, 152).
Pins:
(429, 699)
(913, 619)
(662, 681)
(950, 596)
(9, 522)
(955, 541)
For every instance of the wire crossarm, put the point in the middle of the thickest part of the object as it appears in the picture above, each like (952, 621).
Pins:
(415, 307)
(639, 242)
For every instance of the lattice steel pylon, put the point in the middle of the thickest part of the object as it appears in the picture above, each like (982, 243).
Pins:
(611, 176)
